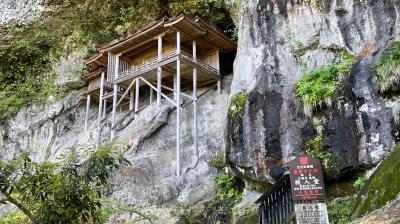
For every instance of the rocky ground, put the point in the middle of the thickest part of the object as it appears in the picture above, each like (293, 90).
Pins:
(389, 214)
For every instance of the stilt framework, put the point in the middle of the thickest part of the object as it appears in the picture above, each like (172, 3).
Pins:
(169, 58)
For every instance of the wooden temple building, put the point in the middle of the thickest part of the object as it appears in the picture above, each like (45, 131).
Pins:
(165, 59)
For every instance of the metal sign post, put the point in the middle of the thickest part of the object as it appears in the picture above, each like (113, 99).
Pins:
(308, 190)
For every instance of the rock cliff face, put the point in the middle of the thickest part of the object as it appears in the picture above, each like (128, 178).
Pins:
(278, 40)
(20, 11)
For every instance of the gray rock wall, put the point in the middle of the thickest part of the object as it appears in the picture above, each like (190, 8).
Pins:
(21, 11)
(150, 183)
(51, 131)
(275, 39)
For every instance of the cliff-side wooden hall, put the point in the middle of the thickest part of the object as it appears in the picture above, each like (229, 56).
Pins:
(164, 59)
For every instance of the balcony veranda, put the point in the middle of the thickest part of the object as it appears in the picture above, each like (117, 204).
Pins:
(148, 70)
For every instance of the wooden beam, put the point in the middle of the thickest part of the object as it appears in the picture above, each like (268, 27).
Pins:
(87, 112)
(137, 96)
(100, 109)
(136, 46)
(159, 71)
(199, 39)
(115, 97)
(178, 104)
(195, 146)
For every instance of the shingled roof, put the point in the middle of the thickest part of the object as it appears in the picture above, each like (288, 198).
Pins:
(193, 28)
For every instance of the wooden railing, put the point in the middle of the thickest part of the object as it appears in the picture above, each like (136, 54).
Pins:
(106, 84)
(205, 65)
(136, 70)
(277, 205)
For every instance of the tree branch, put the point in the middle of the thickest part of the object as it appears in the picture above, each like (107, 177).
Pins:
(12, 200)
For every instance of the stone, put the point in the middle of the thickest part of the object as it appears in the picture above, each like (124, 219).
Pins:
(278, 41)
(21, 11)
(389, 214)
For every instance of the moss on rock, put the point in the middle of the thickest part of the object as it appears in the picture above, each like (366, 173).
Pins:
(387, 69)
(382, 187)
(236, 104)
(317, 87)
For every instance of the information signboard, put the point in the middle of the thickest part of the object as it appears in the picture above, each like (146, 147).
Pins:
(306, 179)
(312, 213)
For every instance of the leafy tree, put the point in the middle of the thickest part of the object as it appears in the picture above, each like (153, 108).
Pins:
(27, 51)
(65, 192)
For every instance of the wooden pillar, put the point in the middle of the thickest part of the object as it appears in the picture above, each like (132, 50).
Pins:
(115, 98)
(151, 95)
(87, 112)
(174, 86)
(159, 71)
(195, 98)
(137, 96)
(104, 109)
(100, 109)
(219, 87)
(178, 104)
(132, 99)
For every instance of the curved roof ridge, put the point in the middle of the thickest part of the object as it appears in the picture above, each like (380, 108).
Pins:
(134, 33)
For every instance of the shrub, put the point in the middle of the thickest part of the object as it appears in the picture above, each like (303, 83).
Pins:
(339, 211)
(220, 209)
(67, 192)
(360, 182)
(316, 88)
(111, 206)
(387, 69)
(218, 162)
(15, 217)
(24, 73)
(236, 104)
(315, 149)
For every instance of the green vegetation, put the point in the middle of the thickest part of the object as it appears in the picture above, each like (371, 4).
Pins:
(360, 182)
(236, 104)
(315, 4)
(15, 217)
(111, 207)
(316, 88)
(218, 162)
(220, 209)
(24, 78)
(382, 187)
(387, 69)
(339, 211)
(340, 9)
(299, 44)
(28, 51)
(67, 192)
(228, 192)
(315, 148)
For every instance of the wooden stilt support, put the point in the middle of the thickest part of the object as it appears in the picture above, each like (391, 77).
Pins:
(219, 87)
(159, 71)
(87, 112)
(100, 109)
(195, 99)
(132, 99)
(104, 108)
(174, 86)
(137, 96)
(151, 95)
(115, 98)
(178, 104)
